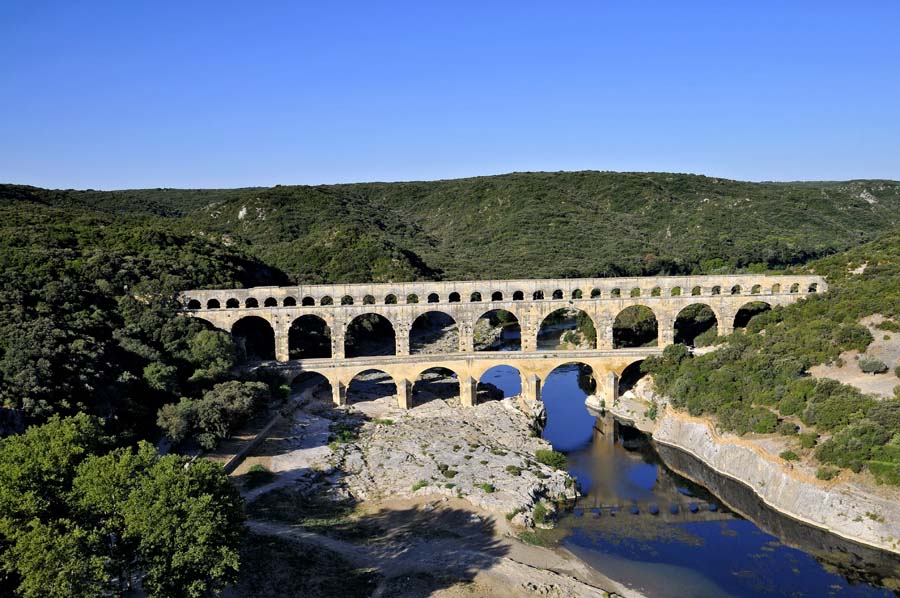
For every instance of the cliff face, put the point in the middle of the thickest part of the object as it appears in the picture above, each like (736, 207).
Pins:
(839, 506)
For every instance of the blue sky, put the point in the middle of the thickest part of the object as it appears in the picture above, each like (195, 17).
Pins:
(109, 95)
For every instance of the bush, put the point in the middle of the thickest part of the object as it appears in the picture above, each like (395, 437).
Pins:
(872, 366)
(827, 473)
(540, 512)
(551, 458)
(487, 487)
(789, 456)
(419, 485)
(786, 428)
(808, 439)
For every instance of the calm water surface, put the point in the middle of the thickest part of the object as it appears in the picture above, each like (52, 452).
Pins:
(707, 553)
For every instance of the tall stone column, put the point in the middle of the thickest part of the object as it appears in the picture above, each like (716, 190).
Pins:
(282, 342)
(604, 326)
(466, 338)
(529, 331)
(531, 389)
(468, 391)
(338, 335)
(404, 393)
(610, 390)
(725, 321)
(665, 329)
(339, 392)
(401, 334)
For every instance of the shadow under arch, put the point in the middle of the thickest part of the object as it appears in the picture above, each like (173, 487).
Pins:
(370, 385)
(433, 332)
(635, 326)
(309, 337)
(321, 387)
(497, 330)
(370, 335)
(435, 383)
(696, 324)
(255, 338)
(567, 328)
(630, 376)
(499, 382)
(569, 425)
(748, 311)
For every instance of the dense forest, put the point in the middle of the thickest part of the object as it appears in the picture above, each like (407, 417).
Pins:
(94, 360)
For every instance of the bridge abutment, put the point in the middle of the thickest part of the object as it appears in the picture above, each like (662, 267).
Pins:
(404, 393)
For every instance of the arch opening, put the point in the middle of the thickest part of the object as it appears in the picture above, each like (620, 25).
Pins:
(557, 294)
(370, 385)
(255, 338)
(537, 295)
(251, 302)
(567, 328)
(577, 294)
(435, 384)
(346, 300)
(595, 293)
(795, 288)
(390, 299)
(496, 296)
(368, 300)
(736, 289)
(635, 326)
(326, 300)
(412, 298)
(433, 298)
(453, 297)
(748, 311)
(756, 289)
(497, 330)
(309, 337)
(289, 302)
(193, 304)
(676, 292)
(433, 332)
(776, 288)
(696, 325)
(270, 302)
(630, 377)
(213, 304)
(696, 291)
(813, 288)
(370, 335)
(232, 303)
(319, 383)
(518, 296)
(476, 296)
(308, 302)
(499, 382)
(569, 426)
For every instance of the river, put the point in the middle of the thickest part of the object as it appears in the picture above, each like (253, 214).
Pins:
(710, 552)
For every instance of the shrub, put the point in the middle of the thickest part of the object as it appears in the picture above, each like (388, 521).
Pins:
(789, 456)
(514, 469)
(827, 473)
(419, 485)
(540, 512)
(808, 439)
(786, 428)
(487, 487)
(551, 458)
(872, 366)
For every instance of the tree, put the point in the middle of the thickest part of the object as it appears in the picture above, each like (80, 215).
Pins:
(188, 523)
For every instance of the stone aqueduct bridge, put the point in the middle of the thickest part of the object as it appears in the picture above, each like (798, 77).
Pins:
(530, 301)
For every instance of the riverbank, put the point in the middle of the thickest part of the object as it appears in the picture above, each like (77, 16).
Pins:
(434, 500)
(845, 506)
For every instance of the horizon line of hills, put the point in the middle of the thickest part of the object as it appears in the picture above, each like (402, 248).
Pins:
(519, 225)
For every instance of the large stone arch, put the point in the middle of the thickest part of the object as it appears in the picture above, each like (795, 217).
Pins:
(433, 331)
(502, 377)
(434, 382)
(563, 392)
(748, 311)
(696, 320)
(309, 337)
(370, 384)
(362, 334)
(254, 337)
(566, 321)
(636, 326)
(495, 331)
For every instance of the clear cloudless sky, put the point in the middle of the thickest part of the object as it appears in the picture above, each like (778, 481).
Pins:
(125, 94)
